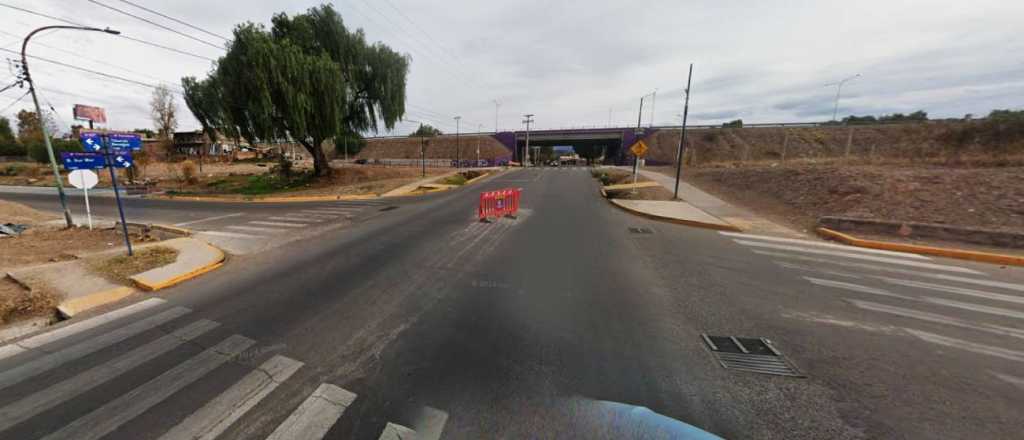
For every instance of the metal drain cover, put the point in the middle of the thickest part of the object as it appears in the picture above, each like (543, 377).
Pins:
(756, 355)
(389, 208)
(641, 230)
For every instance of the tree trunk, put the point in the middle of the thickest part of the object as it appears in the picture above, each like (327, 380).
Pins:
(320, 166)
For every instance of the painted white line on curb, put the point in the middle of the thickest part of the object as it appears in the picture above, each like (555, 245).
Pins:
(119, 411)
(53, 360)
(218, 414)
(825, 245)
(315, 416)
(208, 219)
(78, 327)
(68, 389)
(860, 257)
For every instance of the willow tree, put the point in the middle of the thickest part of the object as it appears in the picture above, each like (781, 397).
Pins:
(307, 78)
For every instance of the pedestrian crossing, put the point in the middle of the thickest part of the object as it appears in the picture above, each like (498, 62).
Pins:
(940, 302)
(200, 349)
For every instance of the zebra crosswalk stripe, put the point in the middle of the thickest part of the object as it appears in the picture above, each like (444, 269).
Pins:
(315, 416)
(855, 256)
(286, 225)
(55, 394)
(218, 414)
(396, 432)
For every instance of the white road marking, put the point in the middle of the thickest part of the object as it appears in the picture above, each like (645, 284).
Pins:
(256, 229)
(315, 416)
(58, 393)
(937, 318)
(301, 218)
(956, 290)
(939, 301)
(825, 245)
(324, 211)
(968, 346)
(208, 219)
(319, 214)
(117, 412)
(860, 257)
(53, 360)
(78, 327)
(938, 276)
(430, 423)
(342, 210)
(855, 288)
(817, 270)
(228, 234)
(396, 432)
(1019, 382)
(287, 225)
(218, 414)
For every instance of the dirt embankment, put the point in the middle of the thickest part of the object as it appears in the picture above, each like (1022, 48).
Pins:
(800, 193)
(439, 147)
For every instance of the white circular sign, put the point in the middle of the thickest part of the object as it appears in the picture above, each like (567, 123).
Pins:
(83, 179)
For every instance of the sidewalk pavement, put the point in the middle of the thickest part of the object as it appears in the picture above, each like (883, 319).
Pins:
(739, 217)
(675, 211)
(82, 290)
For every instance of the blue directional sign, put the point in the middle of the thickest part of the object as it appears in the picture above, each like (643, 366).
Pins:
(91, 140)
(121, 159)
(82, 161)
(125, 141)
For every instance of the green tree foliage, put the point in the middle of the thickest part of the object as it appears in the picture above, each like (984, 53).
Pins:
(733, 124)
(29, 130)
(307, 78)
(349, 142)
(9, 145)
(37, 149)
(426, 130)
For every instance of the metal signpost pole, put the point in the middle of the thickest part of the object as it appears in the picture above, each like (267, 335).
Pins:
(682, 135)
(117, 194)
(639, 131)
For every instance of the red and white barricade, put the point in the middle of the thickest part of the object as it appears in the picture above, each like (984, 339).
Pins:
(500, 203)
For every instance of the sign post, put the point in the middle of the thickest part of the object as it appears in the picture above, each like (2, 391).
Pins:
(114, 158)
(639, 149)
(84, 179)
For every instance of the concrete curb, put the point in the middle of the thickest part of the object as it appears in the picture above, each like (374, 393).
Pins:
(961, 254)
(266, 199)
(693, 223)
(152, 286)
(72, 307)
(624, 186)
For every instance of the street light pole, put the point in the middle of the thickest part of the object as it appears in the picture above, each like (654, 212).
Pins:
(839, 90)
(654, 100)
(42, 119)
(479, 129)
(458, 147)
(682, 135)
(527, 121)
(496, 105)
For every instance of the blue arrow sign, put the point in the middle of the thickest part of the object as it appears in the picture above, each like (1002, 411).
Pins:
(91, 141)
(125, 141)
(121, 159)
(82, 161)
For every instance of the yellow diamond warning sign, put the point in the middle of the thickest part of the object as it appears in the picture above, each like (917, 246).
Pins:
(639, 149)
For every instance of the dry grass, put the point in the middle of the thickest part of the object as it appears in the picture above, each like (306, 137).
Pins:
(16, 302)
(11, 212)
(39, 245)
(119, 268)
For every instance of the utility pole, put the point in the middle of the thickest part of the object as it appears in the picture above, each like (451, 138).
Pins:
(458, 147)
(423, 155)
(42, 119)
(496, 105)
(609, 116)
(638, 132)
(839, 90)
(682, 134)
(479, 130)
(654, 100)
(527, 121)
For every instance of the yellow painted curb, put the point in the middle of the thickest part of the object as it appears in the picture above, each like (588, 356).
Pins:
(72, 307)
(961, 254)
(219, 261)
(696, 224)
(623, 186)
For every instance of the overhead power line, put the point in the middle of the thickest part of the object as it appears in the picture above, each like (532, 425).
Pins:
(23, 95)
(151, 22)
(137, 40)
(183, 23)
(94, 72)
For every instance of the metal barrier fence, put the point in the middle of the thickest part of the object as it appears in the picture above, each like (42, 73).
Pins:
(500, 203)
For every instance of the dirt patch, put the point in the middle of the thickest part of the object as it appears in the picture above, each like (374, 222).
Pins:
(618, 177)
(17, 302)
(460, 178)
(799, 193)
(348, 180)
(117, 269)
(17, 213)
(42, 245)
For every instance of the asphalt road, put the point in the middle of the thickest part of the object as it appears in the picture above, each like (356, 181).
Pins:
(424, 318)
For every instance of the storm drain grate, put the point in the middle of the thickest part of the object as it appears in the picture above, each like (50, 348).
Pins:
(389, 208)
(641, 230)
(755, 355)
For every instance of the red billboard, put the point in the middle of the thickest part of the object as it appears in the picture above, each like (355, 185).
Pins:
(90, 113)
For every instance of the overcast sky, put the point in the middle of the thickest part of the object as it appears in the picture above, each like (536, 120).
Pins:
(575, 63)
